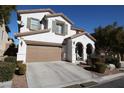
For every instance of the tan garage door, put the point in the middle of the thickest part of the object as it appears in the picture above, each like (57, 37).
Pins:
(43, 53)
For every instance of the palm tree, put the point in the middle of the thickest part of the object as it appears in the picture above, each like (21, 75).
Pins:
(5, 12)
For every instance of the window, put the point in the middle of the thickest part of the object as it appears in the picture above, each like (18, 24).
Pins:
(33, 24)
(60, 29)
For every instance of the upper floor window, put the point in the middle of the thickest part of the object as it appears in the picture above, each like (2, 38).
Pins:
(59, 27)
(33, 24)
(36, 24)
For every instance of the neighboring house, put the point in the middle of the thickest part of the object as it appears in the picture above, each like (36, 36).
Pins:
(4, 38)
(48, 36)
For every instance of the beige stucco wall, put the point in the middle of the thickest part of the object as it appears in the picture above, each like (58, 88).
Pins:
(3, 39)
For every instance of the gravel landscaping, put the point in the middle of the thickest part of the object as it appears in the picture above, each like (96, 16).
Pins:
(19, 81)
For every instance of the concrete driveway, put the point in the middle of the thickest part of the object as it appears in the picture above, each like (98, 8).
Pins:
(56, 74)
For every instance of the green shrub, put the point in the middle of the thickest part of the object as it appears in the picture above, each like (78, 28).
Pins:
(114, 61)
(117, 64)
(19, 62)
(21, 69)
(6, 71)
(11, 59)
(100, 67)
(92, 60)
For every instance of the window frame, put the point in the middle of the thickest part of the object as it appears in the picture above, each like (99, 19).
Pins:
(61, 23)
(29, 23)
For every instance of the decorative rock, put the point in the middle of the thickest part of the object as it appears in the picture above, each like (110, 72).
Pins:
(111, 67)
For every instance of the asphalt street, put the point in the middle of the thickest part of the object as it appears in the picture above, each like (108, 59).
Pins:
(118, 83)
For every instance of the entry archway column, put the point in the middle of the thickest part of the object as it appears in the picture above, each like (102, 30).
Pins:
(84, 54)
(73, 54)
(93, 51)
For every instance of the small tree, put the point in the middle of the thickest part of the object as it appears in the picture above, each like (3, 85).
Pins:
(5, 12)
(110, 39)
(120, 38)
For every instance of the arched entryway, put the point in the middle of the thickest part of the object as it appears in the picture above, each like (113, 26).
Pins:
(79, 51)
(89, 49)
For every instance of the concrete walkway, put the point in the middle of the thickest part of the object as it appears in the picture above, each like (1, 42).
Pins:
(56, 74)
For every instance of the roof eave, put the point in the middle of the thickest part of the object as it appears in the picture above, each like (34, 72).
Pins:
(77, 29)
(80, 34)
(35, 11)
(40, 43)
(62, 15)
(31, 33)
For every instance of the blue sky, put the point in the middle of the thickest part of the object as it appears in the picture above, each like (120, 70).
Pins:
(86, 17)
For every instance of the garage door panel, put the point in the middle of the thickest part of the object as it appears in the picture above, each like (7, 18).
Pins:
(43, 53)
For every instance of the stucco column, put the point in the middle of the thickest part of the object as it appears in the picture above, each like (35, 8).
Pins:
(73, 54)
(93, 49)
(84, 54)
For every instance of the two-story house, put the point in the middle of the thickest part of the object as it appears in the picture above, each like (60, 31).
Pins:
(48, 36)
(4, 37)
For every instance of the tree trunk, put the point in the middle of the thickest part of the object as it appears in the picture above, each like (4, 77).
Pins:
(118, 56)
(121, 56)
